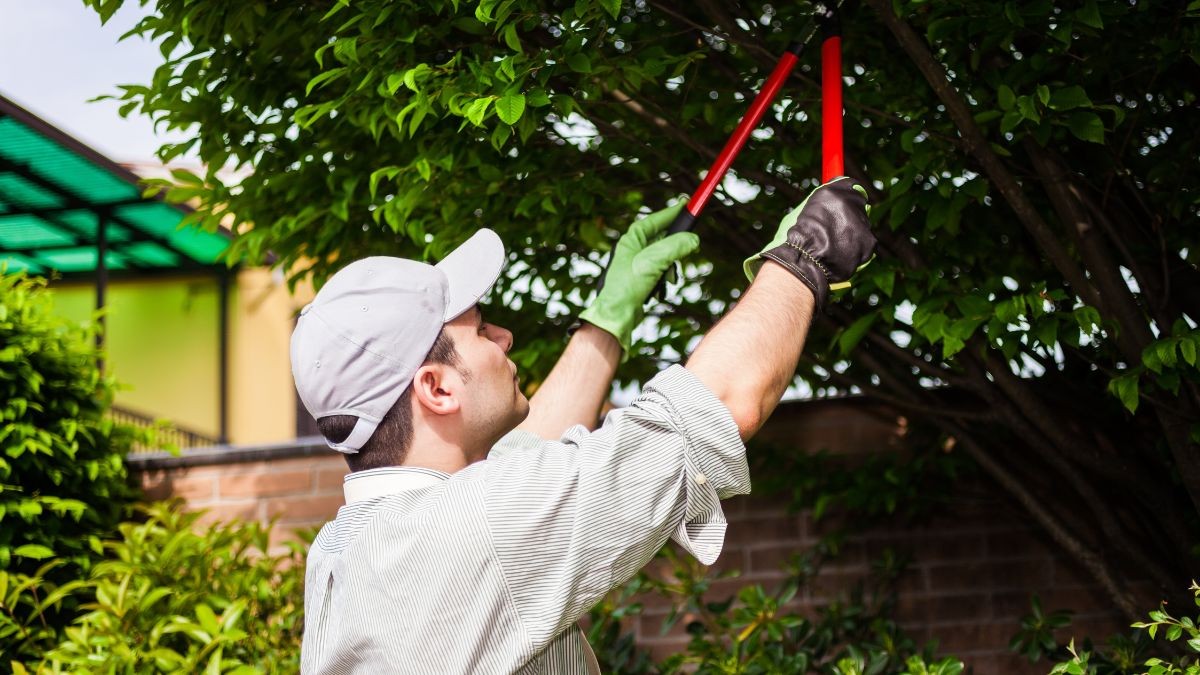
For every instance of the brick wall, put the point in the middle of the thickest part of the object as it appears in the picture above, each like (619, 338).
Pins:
(972, 573)
(299, 484)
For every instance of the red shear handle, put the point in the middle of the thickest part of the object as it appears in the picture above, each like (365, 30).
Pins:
(734, 145)
(832, 159)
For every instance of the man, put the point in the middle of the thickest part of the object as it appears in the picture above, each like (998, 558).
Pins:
(470, 542)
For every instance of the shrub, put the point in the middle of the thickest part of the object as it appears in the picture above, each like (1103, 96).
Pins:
(757, 632)
(1123, 655)
(24, 603)
(63, 483)
(168, 598)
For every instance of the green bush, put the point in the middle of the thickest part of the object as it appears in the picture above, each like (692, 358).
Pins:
(25, 602)
(63, 483)
(1128, 655)
(169, 598)
(755, 633)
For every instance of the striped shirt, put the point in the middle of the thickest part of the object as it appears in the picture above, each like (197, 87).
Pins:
(487, 570)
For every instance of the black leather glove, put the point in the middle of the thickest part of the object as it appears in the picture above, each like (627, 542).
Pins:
(824, 241)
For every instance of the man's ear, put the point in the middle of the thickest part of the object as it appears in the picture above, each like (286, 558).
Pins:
(436, 388)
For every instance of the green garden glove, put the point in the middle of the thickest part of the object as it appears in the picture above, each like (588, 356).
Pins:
(634, 271)
(824, 241)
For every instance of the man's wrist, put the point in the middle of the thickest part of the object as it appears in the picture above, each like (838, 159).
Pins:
(598, 338)
(780, 279)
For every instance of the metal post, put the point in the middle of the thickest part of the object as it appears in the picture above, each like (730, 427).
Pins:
(101, 284)
(223, 353)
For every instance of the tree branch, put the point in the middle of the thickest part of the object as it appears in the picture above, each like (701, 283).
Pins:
(978, 146)
(1088, 557)
(1134, 334)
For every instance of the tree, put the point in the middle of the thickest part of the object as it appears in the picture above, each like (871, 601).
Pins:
(1032, 173)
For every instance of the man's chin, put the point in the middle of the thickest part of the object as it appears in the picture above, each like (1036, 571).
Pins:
(522, 409)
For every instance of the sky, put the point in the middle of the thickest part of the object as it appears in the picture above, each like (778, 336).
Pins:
(55, 56)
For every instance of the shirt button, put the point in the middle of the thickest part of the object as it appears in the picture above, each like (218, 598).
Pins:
(701, 479)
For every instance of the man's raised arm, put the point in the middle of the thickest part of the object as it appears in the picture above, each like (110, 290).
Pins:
(749, 358)
(577, 386)
(581, 380)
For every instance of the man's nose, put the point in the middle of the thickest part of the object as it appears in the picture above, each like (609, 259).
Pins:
(502, 337)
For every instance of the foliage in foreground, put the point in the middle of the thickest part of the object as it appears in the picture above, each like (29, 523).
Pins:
(63, 483)
(170, 599)
(756, 632)
(1126, 656)
(1031, 168)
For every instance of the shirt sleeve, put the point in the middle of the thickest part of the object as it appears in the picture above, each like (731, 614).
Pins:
(575, 518)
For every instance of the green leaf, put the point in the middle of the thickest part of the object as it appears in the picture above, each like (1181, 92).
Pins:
(1013, 13)
(613, 7)
(579, 63)
(1005, 97)
(423, 169)
(1089, 15)
(1046, 331)
(510, 108)
(886, 281)
(394, 81)
(1043, 93)
(951, 345)
(855, 332)
(1125, 388)
(1166, 352)
(411, 75)
(1153, 357)
(1028, 109)
(484, 11)
(1086, 126)
(1068, 98)
(1088, 318)
(323, 78)
(478, 109)
(511, 38)
(35, 551)
(982, 118)
(1010, 121)
(1187, 349)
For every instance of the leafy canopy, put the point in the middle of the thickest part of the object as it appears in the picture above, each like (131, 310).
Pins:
(1032, 170)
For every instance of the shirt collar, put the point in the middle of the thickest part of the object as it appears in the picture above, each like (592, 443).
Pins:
(363, 485)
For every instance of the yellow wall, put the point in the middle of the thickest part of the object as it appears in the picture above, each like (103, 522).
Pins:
(162, 345)
(262, 403)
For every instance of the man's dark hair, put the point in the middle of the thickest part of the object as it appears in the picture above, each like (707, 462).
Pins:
(389, 445)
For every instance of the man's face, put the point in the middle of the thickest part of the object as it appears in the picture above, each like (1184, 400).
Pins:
(493, 403)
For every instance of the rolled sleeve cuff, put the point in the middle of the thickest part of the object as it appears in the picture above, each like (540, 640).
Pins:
(714, 459)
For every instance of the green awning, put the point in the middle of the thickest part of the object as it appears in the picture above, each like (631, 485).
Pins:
(55, 193)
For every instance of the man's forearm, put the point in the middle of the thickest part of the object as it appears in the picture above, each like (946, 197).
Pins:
(577, 385)
(749, 358)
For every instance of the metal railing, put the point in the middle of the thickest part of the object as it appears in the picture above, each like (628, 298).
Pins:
(167, 433)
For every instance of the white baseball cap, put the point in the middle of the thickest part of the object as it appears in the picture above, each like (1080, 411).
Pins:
(358, 344)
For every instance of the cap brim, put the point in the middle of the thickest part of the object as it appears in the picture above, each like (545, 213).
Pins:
(472, 270)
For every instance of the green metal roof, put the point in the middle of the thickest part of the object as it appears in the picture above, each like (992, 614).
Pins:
(54, 194)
